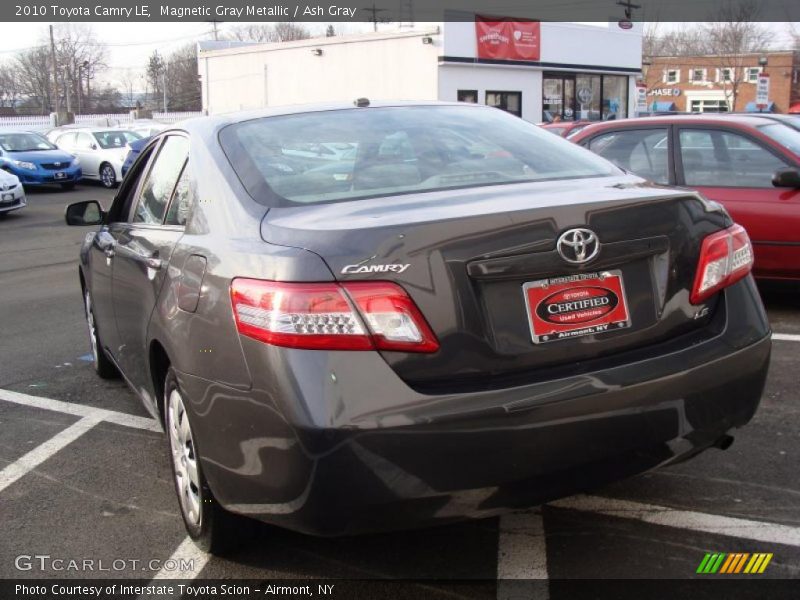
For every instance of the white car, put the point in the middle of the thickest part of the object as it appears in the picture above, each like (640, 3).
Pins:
(101, 150)
(12, 194)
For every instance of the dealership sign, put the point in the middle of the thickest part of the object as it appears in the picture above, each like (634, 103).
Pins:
(762, 90)
(506, 39)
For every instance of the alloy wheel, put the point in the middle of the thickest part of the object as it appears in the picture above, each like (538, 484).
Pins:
(184, 458)
(107, 176)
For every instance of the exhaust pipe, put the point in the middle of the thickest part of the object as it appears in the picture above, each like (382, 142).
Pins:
(724, 442)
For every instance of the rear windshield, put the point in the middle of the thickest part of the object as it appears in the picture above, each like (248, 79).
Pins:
(361, 153)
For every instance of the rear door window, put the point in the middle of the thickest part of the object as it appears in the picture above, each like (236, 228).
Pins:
(644, 152)
(718, 158)
(156, 192)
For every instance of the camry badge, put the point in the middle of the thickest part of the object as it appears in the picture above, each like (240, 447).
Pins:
(578, 246)
(394, 268)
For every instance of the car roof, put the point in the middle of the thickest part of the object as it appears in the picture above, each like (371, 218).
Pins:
(207, 124)
(694, 119)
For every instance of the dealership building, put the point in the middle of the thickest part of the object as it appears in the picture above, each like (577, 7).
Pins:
(536, 70)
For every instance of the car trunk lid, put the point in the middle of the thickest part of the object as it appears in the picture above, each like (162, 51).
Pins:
(480, 263)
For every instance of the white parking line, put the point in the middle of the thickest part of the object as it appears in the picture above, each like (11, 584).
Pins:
(28, 462)
(786, 337)
(187, 551)
(81, 410)
(522, 554)
(684, 519)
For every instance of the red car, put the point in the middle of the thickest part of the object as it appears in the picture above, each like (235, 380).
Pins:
(748, 164)
(565, 129)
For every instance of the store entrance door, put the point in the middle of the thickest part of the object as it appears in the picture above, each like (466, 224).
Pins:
(558, 97)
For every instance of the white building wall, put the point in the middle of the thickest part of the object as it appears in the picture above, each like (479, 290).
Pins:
(563, 43)
(391, 67)
(454, 77)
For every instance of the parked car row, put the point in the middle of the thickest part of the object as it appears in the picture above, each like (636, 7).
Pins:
(65, 155)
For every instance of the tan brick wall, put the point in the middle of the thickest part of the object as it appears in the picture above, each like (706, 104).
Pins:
(783, 69)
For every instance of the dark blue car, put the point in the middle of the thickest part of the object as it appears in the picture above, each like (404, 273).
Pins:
(35, 161)
(135, 148)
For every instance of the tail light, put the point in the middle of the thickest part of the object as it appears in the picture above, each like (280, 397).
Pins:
(330, 316)
(725, 257)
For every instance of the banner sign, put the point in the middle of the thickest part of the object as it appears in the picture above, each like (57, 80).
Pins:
(762, 90)
(502, 38)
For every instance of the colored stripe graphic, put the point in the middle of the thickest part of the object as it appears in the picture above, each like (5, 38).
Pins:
(737, 562)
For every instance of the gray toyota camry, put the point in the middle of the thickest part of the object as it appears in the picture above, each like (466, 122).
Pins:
(363, 317)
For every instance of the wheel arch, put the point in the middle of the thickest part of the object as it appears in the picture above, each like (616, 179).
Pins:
(160, 363)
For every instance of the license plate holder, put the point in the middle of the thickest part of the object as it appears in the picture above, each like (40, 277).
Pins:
(8, 197)
(60, 175)
(578, 305)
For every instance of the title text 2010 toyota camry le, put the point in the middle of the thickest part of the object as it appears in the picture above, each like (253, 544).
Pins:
(357, 318)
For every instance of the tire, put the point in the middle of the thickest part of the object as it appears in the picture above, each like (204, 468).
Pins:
(68, 186)
(3, 215)
(108, 177)
(212, 528)
(102, 364)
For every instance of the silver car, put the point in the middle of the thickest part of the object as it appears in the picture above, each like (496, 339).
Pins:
(12, 195)
(101, 150)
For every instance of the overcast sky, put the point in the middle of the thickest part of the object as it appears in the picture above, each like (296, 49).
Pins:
(129, 44)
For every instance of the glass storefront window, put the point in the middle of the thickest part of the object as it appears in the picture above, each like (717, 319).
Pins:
(508, 101)
(584, 96)
(615, 97)
(587, 96)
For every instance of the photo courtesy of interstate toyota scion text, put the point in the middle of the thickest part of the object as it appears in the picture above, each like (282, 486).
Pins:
(372, 316)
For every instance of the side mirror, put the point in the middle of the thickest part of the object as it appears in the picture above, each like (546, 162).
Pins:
(93, 146)
(87, 212)
(786, 178)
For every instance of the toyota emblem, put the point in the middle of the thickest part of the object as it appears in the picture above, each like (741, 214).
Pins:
(578, 246)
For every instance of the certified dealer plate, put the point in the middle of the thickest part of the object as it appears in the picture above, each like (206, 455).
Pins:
(572, 306)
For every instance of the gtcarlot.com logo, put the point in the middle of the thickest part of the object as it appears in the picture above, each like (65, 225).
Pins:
(734, 563)
(46, 562)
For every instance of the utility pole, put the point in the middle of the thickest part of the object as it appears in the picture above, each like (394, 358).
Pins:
(55, 70)
(68, 89)
(374, 12)
(216, 33)
(165, 86)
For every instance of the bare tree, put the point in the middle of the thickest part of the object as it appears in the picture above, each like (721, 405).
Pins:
(129, 80)
(80, 58)
(183, 83)
(735, 33)
(32, 72)
(9, 86)
(288, 32)
(269, 33)
(155, 75)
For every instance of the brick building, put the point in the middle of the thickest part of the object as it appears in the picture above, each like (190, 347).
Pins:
(705, 83)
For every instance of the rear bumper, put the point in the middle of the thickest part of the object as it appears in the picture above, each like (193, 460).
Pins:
(334, 443)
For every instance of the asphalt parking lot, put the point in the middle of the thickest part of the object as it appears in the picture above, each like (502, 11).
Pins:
(84, 471)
